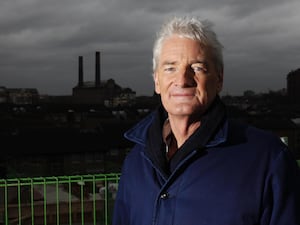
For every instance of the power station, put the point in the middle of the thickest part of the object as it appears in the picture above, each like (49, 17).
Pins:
(98, 91)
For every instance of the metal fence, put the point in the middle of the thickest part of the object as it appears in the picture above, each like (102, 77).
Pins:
(84, 199)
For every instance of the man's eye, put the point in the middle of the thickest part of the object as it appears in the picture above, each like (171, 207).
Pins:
(169, 69)
(199, 69)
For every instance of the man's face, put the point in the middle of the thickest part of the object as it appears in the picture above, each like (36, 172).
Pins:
(186, 77)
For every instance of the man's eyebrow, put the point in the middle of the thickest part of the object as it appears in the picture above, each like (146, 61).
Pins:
(199, 62)
(164, 63)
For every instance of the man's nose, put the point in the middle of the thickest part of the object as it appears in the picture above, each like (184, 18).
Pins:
(185, 78)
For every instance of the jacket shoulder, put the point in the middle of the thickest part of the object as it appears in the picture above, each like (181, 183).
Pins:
(257, 138)
(138, 133)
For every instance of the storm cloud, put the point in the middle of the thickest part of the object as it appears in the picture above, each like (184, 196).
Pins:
(40, 41)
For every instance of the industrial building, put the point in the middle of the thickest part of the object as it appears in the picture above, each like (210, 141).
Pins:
(99, 91)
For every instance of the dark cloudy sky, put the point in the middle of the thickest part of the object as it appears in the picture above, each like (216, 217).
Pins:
(40, 41)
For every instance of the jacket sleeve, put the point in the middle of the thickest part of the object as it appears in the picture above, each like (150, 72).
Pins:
(282, 192)
(121, 213)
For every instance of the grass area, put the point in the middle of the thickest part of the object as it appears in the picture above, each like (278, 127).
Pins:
(298, 161)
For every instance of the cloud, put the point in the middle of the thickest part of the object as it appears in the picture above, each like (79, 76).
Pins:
(40, 41)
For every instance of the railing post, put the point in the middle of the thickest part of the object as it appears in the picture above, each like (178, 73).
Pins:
(106, 200)
(19, 202)
(94, 201)
(32, 201)
(45, 200)
(6, 202)
(82, 200)
(70, 200)
(57, 201)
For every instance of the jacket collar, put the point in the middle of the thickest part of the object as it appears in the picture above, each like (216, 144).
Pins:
(139, 133)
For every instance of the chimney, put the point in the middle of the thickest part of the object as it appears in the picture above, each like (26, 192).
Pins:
(97, 70)
(80, 71)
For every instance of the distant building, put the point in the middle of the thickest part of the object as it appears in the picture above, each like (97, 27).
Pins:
(3, 95)
(23, 96)
(19, 96)
(293, 85)
(99, 92)
(124, 98)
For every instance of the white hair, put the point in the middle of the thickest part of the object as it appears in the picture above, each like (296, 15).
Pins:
(193, 28)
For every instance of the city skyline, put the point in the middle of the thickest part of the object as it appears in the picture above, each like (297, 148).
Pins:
(41, 40)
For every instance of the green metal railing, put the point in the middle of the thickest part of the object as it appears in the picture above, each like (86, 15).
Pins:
(84, 199)
(62, 200)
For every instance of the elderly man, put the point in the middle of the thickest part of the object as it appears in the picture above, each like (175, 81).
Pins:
(191, 165)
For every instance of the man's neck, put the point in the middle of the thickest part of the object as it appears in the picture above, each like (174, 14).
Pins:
(183, 128)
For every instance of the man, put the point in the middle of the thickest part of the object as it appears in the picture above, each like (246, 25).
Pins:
(191, 165)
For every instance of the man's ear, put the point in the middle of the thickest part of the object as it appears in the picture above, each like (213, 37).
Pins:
(156, 83)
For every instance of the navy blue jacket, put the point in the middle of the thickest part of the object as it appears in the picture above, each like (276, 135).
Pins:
(242, 176)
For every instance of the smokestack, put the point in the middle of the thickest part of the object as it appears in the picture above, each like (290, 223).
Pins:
(97, 70)
(80, 71)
